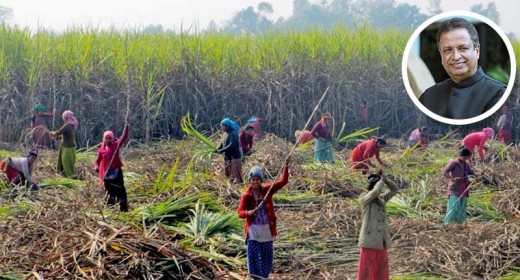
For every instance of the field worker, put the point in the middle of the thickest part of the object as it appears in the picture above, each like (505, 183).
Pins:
(478, 139)
(459, 172)
(360, 156)
(505, 123)
(256, 122)
(469, 92)
(18, 171)
(321, 131)
(374, 237)
(108, 164)
(303, 136)
(245, 138)
(257, 208)
(420, 136)
(67, 153)
(40, 127)
(230, 147)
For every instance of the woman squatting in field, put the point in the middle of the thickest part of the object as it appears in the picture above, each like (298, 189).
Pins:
(18, 171)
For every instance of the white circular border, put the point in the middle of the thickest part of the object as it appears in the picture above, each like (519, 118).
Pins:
(416, 34)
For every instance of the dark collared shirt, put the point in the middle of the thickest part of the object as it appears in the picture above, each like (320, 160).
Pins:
(470, 98)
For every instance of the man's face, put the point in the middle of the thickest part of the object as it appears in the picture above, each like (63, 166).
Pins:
(459, 56)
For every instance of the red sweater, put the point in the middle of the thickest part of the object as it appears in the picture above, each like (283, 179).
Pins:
(364, 151)
(105, 155)
(247, 202)
(472, 140)
(246, 141)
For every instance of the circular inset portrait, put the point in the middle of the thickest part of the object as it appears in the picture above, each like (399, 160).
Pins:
(459, 67)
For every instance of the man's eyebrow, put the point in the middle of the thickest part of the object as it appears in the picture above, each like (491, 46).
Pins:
(458, 46)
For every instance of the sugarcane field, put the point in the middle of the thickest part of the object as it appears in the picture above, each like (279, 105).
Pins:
(289, 154)
(182, 222)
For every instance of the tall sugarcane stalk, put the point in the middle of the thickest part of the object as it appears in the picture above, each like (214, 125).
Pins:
(293, 148)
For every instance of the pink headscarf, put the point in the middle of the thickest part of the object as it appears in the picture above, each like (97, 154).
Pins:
(68, 116)
(105, 134)
(489, 132)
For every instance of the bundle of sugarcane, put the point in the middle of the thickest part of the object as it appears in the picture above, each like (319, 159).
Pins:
(188, 128)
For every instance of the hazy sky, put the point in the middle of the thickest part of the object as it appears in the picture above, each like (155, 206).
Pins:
(172, 14)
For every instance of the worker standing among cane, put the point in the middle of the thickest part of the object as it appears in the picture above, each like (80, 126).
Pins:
(257, 208)
(374, 237)
(322, 132)
(108, 163)
(458, 171)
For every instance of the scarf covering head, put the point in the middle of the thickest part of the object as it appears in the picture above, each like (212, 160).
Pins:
(105, 134)
(40, 108)
(68, 116)
(256, 172)
(489, 132)
(231, 124)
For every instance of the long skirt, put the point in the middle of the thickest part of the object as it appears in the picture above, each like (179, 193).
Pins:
(116, 192)
(233, 170)
(456, 210)
(323, 151)
(259, 259)
(373, 264)
(504, 136)
(67, 161)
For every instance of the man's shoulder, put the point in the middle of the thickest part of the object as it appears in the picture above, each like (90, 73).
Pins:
(492, 83)
(438, 88)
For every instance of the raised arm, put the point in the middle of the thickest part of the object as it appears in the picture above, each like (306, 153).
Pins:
(394, 189)
(366, 198)
(276, 186)
(124, 136)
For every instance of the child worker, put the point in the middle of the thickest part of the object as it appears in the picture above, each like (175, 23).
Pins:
(257, 208)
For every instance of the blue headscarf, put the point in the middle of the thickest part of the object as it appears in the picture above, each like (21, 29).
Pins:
(231, 124)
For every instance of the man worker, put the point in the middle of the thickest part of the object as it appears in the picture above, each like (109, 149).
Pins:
(468, 92)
